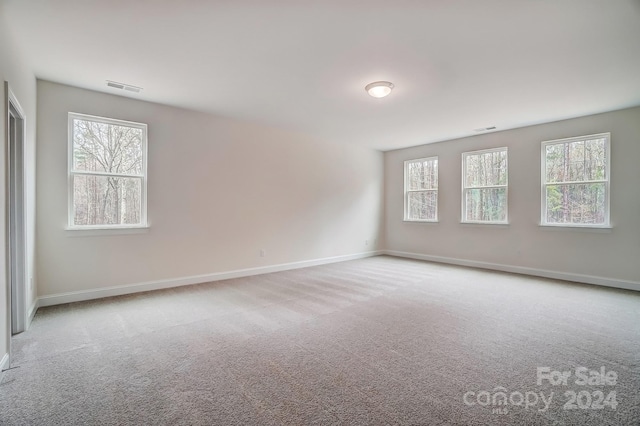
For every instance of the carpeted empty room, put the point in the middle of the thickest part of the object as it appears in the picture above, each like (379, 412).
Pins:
(376, 341)
(335, 212)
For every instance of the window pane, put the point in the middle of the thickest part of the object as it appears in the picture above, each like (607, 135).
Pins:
(576, 203)
(422, 174)
(498, 171)
(576, 161)
(110, 148)
(555, 163)
(486, 205)
(595, 160)
(422, 205)
(472, 170)
(106, 200)
(486, 169)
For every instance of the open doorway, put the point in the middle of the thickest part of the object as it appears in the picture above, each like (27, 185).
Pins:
(16, 211)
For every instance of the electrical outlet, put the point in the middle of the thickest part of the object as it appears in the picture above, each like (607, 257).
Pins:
(263, 252)
(31, 283)
(366, 242)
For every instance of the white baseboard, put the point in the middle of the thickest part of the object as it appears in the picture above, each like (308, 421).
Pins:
(567, 276)
(4, 363)
(78, 296)
(32, 312)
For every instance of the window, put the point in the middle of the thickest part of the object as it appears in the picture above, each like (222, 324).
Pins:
(421, 190)
(107, 173)
(484, 186)
(575, 181)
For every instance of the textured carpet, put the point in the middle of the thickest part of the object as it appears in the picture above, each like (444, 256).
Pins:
(368, 342)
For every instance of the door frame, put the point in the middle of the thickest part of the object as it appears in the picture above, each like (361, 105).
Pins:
(15, 213)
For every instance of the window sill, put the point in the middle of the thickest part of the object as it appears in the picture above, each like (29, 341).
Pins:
(98, 231)
(420, 221)
(496, 224)
(580, 228)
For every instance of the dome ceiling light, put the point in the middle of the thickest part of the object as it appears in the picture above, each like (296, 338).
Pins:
(379, 89)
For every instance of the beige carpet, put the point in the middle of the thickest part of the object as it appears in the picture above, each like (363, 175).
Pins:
(368, 342)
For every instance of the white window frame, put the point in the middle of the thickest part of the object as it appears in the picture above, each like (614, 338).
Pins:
(71, 173)
(607, 182)
(466, 188)
(407, 191)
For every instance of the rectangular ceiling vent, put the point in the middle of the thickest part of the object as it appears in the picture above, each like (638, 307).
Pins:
(122, 86)
(484, 129)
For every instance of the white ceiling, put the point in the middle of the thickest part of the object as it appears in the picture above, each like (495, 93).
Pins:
(302, 65)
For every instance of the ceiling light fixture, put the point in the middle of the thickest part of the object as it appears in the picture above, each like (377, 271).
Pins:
(379, 89)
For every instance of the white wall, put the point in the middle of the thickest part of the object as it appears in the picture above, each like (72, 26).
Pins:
(609, 257)
(23, 84)
(610, 254)
(219, 191)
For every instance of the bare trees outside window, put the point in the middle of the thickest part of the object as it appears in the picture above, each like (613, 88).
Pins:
(107, 172)
(485, 176)
(575, 181)
(421, 189)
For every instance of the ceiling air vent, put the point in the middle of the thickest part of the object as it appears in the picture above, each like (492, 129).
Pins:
(484, 129)
(122, 86)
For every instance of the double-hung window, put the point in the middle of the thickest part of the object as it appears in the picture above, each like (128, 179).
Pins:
(107, 173)
(421, 190)
(484, 186)
(575, 181)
